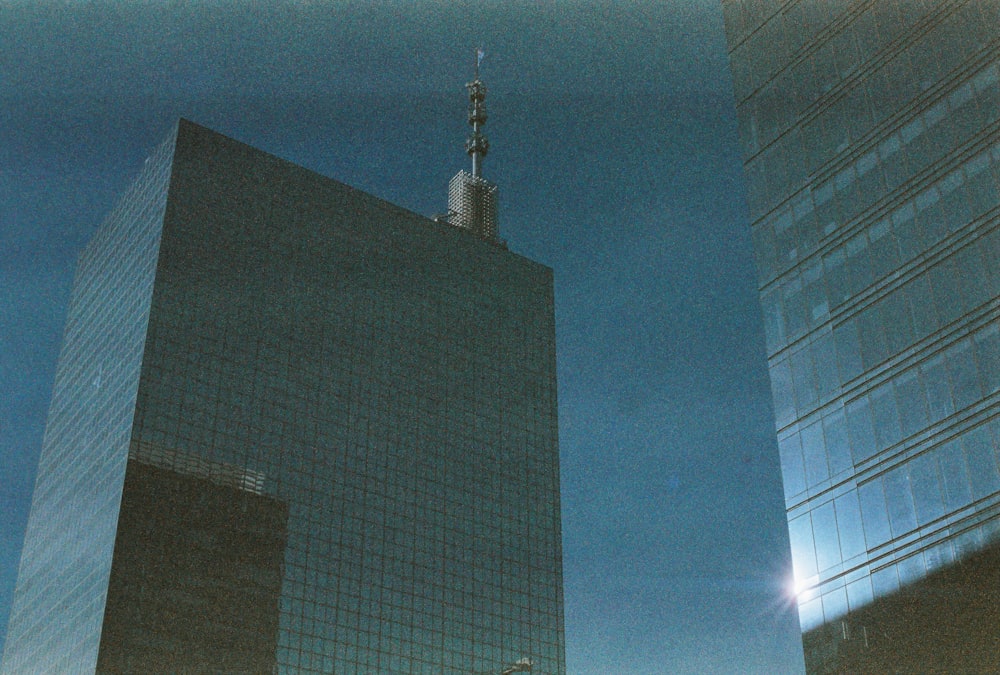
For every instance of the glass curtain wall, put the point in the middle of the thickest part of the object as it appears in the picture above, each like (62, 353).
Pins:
(871, 139)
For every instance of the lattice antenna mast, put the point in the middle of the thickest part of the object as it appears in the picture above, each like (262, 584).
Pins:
(472, 200)
(478, 145)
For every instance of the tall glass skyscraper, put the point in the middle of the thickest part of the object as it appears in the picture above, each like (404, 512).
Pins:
(871, 138)
(294, 429)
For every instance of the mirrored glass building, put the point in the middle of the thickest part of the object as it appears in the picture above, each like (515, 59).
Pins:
(871, 138)
(294, 429)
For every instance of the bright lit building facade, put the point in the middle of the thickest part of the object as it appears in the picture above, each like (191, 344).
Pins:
(294, 429)
(871, 139)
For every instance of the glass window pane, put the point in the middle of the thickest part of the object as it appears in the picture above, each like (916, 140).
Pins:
(912, 405)
(795, 313)
(894, 313)
(834, 604)
(859, 593)
(835, 267)
(989, 248)
(925, 318)
(967, 543)
(774, 323)
(874, 348)
(827, 378)
(980, 455)
(781, 390)
(926, 486)
(852, 533)
(803, 551)
(859, 429)
(910, 569)
(885, 581)
(874, 514)
(988, 356)
(938, 556)
(858, 264)
(964, 378)
(946, 290)
(848, 351)
(804, 380)
(792, 466)
(814, 452)
(825, 533)
(956, 488)
(937, 388)
(884, 416)
(974, 282)
(814, 294)
(884, 252)
(838, 445)
(899, 501)
(810, 613)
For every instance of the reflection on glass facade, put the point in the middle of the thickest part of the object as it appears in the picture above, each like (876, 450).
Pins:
(376, 387)
(871, 138)
(196, 577)
(58, 603)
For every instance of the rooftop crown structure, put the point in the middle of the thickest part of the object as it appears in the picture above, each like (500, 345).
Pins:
(472, 200)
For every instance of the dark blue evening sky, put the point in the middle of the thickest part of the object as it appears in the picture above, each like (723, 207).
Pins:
(613, 141)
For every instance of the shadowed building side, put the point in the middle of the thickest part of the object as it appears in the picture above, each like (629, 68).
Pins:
(943, 623)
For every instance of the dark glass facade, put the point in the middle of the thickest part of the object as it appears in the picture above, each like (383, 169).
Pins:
(871, 139)
(377, 388)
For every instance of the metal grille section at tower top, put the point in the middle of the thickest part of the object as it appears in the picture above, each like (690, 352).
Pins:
(472, 204)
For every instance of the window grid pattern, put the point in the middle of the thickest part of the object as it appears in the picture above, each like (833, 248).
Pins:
(392, 381)
(871, 136)
(58, 604)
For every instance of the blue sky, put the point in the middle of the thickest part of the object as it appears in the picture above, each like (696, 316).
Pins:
(613, 141)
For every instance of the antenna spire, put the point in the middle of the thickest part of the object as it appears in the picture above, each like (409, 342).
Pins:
(477, 145)
(472, 200)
